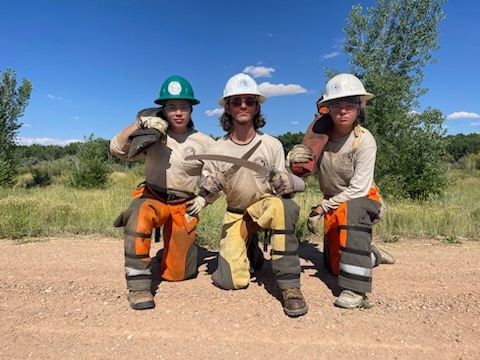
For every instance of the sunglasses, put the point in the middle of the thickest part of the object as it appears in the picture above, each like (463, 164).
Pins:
(338, 107)
(237, 101)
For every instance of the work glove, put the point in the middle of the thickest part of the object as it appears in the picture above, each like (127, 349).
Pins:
(195, 205)
(149, 119)
(284, 183)
(300, 153)
(213, 183)
(314, 220)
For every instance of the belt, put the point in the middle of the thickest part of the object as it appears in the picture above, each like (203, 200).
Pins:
(235, 211)
(168, 196)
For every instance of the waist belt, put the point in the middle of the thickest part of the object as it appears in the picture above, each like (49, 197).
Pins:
(168, 196)
(235, 211)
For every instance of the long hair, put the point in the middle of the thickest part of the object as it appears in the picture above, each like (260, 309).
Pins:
(361, 117)
(226, 121)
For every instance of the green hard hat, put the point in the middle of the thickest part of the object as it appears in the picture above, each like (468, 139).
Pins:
(176, 87)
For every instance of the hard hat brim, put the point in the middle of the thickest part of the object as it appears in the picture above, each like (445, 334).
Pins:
(163, 101)
(363, 97)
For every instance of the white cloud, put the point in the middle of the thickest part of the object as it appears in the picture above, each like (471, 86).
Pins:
(462, 115)
(215, 112)
(44, 141)
(53, 97)
(280, 89)
(294, 122)
(259, 71)
(330, 55)
(475, 124)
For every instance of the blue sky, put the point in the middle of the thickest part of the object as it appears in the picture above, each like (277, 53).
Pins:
(95, 63)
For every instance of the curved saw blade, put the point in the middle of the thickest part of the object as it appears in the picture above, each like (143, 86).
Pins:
(233, 160)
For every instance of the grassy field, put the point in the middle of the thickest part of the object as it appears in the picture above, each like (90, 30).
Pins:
(27, 214)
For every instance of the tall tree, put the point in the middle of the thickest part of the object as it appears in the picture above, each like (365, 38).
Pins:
(13, 102)
(389, 45)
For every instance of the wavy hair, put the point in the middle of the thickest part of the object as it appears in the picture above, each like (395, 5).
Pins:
(226, 121)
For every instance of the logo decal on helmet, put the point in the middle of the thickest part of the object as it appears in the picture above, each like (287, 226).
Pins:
(174, 88)
(244, 84)
(336, 88)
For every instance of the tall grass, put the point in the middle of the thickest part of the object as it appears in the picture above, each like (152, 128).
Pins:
(455, 214)
(56, 210)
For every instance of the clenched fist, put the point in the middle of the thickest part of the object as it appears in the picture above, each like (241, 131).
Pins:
(300, 153)
(149, 119)
(284, 183)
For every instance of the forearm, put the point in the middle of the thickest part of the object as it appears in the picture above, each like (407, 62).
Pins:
(120, 144)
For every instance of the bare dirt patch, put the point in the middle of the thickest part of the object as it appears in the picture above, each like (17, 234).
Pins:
(66, 299)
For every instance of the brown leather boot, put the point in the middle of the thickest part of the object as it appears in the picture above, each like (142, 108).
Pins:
(141, 299)
(293, 302)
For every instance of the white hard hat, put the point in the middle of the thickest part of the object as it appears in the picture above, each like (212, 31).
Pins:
(344, 85)
(238, 85)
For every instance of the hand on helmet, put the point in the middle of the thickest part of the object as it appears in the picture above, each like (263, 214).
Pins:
(149, 119)
(300, 153)
(284, 183)
(195, 205)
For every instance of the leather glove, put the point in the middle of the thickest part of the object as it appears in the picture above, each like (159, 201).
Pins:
(213, 183)
(314, 220)
(149, 119)
(195, 205)
(300, 153)
(285, 183)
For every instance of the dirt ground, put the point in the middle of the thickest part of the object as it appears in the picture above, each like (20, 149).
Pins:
(66, 299)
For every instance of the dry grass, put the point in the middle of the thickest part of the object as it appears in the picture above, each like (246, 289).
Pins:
(56, 210)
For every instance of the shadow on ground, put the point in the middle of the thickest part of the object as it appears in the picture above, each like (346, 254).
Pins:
(263, 277)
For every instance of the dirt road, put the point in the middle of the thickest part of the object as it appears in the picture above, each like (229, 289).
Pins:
(66, 299)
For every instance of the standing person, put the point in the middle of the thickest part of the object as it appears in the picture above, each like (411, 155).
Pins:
(352, 202)
(163, 136)
(253, 201)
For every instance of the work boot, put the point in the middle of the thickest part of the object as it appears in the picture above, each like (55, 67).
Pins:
(293, 302)
(141, 299)
(255, 254)
(383, 257)
(349, 299)
(386, 257)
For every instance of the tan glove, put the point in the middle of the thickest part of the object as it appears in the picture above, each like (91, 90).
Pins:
(149, 119)
(213, 183)
(300, 153)
(285, 183)
(314, 220)
(195, 205)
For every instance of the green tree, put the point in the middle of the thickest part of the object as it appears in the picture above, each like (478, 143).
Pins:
(460, 145)
(288, 140)
(389, 46)
(13, 102)
(91, 169)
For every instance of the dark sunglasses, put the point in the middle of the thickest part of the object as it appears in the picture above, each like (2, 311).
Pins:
(238, 100)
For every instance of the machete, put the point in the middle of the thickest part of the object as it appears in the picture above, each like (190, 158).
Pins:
(233, 169)
(268, 173)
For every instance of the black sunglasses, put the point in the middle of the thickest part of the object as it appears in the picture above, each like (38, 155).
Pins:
(238, 100)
